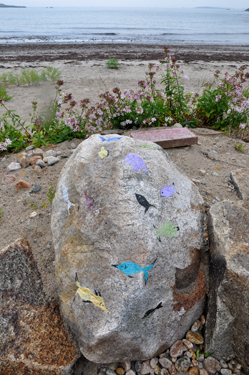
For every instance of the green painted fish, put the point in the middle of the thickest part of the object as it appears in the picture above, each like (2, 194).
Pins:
(149, 146)
(168, 230)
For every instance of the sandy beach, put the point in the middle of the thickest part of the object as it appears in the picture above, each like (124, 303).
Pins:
(85, 74)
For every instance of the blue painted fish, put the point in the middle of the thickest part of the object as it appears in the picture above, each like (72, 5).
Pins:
(168, 191)
(143, 201)
(168, 230)
(136, 162)
(130, 268)
(88, 296)
(109, 139)
(66, 199)
(151, 311)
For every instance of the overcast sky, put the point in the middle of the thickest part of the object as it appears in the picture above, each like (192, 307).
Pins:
(131, 3)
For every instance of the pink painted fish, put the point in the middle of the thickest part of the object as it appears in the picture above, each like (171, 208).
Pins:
(89, 201)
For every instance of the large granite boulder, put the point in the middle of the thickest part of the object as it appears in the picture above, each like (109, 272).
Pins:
(127, 232)
(33, 339)
(228, 319)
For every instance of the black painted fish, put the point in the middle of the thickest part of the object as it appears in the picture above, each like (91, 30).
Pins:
(143, 201)
(151, 311)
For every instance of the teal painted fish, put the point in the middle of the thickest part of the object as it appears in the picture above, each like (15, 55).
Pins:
(168, 230)
(130, 268)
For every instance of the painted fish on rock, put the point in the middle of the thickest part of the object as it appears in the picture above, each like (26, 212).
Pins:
(168, 191)
(88, 296)
(130, 268)
(110, 139)
(103, 153)
(136, 162)
(89, 201)
(168, 230)
(143, 201)
(151, 311)
(66, 199)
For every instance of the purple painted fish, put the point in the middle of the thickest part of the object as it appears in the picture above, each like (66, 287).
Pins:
(136, 162)
(168, 191)
(89, 201)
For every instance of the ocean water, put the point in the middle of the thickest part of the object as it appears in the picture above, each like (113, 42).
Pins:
(124, 25)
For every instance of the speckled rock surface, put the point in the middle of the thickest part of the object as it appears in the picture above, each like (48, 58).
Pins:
(228, 320)
(100, 218)
(32, 336)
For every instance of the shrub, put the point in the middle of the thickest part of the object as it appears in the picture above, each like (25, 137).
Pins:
(112, 64)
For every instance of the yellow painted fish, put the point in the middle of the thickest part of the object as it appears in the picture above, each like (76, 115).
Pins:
(88, 296)
(103, 153)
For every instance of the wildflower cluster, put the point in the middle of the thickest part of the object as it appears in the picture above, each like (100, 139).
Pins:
(5, 144)
(224, 102)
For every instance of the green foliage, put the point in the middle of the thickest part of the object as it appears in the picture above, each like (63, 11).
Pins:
(33, 205)
(112, 64)
(51, 193)
(206, 355)
(198, 353)
(30, 77)
(44, 204)
(224, 103)
(3, 94)
(1, 210)
(240, 147)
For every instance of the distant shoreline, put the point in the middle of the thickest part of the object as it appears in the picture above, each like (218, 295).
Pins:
(11, 6)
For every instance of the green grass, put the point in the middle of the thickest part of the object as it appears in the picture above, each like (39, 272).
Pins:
(30, 77)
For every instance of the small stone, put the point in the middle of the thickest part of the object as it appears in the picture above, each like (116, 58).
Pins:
(174, 359)
(215, 174)
(193, 371)
(194, 337)
(202, 172)
(203, 372)
(195, 362)
(182, 364)
(21, 155)
(195, 327)
(157, 370)
(177, 126)
(190, 354)
(38, 151)
(218, 199)
(35, 189)
(33, 214)
(31, 147)
(203, 320)
(187, 343)
(153, 362)
(126, 365)
(145, 368)
(165, 362)
(72, 151)
(211, 365)
(13, 167)
(164, 371)
(8, 179)
(172, 370)
(73, 145)
(49, 153)
(58, 153)
(110, 372)
(29, 155)
(41, 163)
(24, 161)
(176, 349)
(201, 357)
(34, 159)
(138, 365)
(225, 371)
(46, 158)
(64, 156)
(200, 365)
(113, 366)
(20, 184)
(223, 364)
(37, 169)
(130, 372)
(120, 371)
(52, 160)
(162, 355)
(3, 159)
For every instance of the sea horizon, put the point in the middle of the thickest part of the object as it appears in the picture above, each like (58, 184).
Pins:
(147, 25)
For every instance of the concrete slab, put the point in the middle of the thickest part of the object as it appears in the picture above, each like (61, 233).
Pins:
(168, 138)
